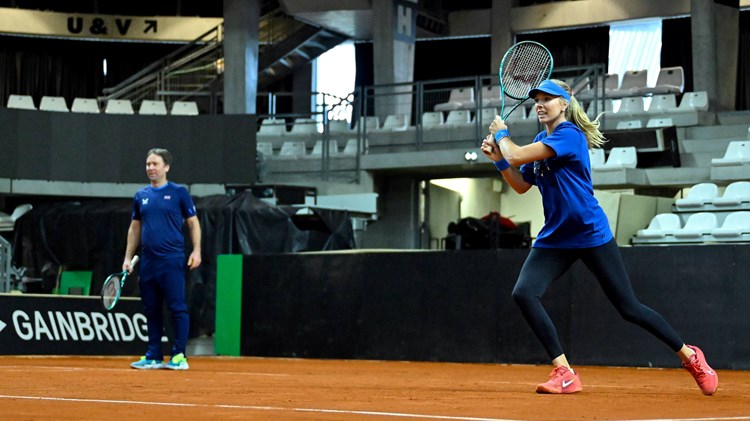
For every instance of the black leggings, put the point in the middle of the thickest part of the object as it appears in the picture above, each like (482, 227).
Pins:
(546, 265)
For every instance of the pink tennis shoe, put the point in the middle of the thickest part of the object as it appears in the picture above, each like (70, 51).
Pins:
(703, 374)
(561, 380)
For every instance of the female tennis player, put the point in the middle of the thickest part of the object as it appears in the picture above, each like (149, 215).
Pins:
(575, 228)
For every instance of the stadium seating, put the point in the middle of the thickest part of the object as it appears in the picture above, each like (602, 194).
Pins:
(292, 149)
(661, 226)
(697, 226)
(394, 123)
(184, 108)
(265, 148)
(736, 194)
(620, 158)
(736, 227)
(699, 195)
(53, 103)
(655, 123)
(737, 153)
(460, 98)
(152, 107)
(633, 83)
(119, 106)
(458, 118)
(432, 119)
(662, 104)
(21, 102)
(671, 80)
(596, 156)
(272, 127)
(85, 105)
(317, 151)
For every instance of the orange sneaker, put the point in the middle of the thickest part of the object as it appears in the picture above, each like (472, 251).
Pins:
(703, 374)
(561, 380)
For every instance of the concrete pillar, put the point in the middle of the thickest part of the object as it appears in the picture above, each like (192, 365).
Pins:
(715, 52)
(241, 23)
(500, 31)
(394, 38)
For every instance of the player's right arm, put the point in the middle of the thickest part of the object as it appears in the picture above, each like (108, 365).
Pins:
(134, 240)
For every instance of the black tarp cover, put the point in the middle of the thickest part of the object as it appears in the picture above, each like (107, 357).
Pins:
(92, 234)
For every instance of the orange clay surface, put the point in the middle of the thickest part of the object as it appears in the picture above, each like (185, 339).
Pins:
(227, 388)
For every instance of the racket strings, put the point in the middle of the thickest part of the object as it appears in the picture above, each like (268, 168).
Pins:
(525, 67)
(110, 291)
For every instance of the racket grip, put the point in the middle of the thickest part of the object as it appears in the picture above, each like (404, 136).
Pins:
(134, 261)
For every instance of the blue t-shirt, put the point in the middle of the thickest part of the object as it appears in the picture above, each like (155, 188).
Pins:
(162, 212)
(572, 215)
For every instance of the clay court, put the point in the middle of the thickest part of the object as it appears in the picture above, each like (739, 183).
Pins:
(85, 388)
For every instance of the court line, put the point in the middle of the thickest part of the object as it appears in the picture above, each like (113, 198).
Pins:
(324, 411)
(64, 369)
(261, 408)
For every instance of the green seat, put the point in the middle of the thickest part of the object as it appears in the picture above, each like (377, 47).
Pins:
(75, 283)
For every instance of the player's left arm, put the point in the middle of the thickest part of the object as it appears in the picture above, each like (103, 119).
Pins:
(194, 228)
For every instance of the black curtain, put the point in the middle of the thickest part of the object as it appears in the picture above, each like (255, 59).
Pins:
(70, 68)
(677, 47)
(743, 63)
(574, 47)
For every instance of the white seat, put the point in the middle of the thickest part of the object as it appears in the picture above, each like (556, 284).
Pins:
(265, 148)
(272, 127)
(491, 96)
(458, 118)
(85, 105)
(21, 102)
(670, 80)
(350, 148)
(737, 153)
(338, 126)
(697, 225)
(20, 211)
(655, 123)
(735, 225)
(629, 125)
(333, 148)
(633, 82)
(304, 126)
(369, 123)
(631, 106)
(432, 119)
(699, 195)
(118, 106)
(662, 104)
(735, 194)
(620, 158)
(184, 108)
(487, 115)
(53, 103)
(152, 107)
(660, 226)
(694, 101)
(459, 98)
(292, 149)
(596, 157)
(395, 123)
(611, 84)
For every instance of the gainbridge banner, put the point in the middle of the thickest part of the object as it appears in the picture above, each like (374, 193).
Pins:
(32, 324)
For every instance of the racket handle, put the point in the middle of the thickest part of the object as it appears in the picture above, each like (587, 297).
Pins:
(134, 261)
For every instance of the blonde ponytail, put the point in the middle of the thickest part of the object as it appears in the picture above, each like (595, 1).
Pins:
(576, 115)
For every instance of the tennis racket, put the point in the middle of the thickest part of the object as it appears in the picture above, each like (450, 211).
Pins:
(112, 287)
(524, 66)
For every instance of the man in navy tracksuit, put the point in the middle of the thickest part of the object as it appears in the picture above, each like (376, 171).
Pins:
(159, 212)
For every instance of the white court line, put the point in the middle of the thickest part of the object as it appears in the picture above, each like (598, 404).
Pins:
(26, 368)
(261, 408)
(326, 411)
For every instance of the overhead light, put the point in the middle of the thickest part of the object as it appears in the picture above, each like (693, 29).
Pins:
(470, 156)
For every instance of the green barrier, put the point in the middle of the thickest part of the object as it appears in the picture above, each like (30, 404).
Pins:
(228, 304)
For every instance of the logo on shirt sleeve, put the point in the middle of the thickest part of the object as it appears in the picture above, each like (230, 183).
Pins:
(144, 201)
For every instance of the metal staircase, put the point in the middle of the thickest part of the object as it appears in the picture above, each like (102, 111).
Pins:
(195, 71)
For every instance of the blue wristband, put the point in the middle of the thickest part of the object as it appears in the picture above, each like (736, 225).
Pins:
(502, 164)
(501, 134)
